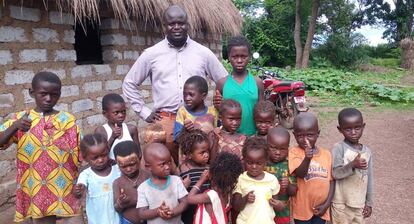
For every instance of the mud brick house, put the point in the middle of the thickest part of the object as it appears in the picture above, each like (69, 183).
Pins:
(91, 45)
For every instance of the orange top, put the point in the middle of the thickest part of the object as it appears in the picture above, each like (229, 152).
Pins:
(314, 188)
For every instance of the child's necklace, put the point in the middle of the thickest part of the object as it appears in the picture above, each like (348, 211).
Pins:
(134, 182)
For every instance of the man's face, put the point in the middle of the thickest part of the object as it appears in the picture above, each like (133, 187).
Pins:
(176, 26)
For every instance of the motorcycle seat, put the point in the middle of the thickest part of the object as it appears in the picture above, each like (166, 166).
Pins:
(284, 83)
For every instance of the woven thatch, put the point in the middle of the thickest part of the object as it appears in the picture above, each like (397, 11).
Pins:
(213, 16)
(407, 54)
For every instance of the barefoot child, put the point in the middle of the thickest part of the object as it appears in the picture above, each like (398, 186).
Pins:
(256, 191)
(162, 197)
(195, 146)
(264, 114)
(47, 146)
(278, 144)
(312, 167)
(195, 114)
(352, 170)
(226, 138)
(240, 85)
(214, 204)
(97, 180)
(128, 155)
(115, 131)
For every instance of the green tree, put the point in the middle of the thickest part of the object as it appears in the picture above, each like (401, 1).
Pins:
(269, 25)
(398, 21)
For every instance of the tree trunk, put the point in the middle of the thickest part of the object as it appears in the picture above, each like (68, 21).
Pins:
(311, 33)
(296, 37)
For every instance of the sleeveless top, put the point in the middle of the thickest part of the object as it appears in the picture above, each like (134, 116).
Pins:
(126, 136)
(247, 94)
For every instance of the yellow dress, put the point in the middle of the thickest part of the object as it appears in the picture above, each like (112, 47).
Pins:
(47, 161)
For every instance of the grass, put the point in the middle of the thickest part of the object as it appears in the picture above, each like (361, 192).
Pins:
(386, 62)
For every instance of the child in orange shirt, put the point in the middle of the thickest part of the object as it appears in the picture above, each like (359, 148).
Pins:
(312, 166)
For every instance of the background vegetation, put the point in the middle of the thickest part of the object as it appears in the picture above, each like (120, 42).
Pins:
(343, 68)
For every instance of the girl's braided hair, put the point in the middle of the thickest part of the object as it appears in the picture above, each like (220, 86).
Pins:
(91, 140)
(254, 144)
(264, 106)
(225, 171)
(187, 139)
(226, 104)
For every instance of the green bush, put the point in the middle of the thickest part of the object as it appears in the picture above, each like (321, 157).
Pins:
(343, 50)
(386, 62)
(383, 51)
(349, 87)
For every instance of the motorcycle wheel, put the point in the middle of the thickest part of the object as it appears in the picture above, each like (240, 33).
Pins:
(288, 114)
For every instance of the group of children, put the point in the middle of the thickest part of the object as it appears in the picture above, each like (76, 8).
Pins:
(228, 171)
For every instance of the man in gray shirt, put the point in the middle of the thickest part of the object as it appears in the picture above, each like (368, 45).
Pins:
(169, 64)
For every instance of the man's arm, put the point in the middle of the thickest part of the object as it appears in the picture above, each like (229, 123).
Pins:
(134, 78)
(215, 69)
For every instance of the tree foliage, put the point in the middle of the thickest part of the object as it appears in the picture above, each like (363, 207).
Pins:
(269, 25)
(398, 21)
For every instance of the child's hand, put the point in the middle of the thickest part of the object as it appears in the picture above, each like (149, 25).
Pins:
(367, 211)
(188, 125)
(164, 211)
(24, 123)
(320, 209)
(205, 176)
(217, 98)
(359, 163)
(116, 131)
(250, 197)
(78, 190)
(308, 150)
(186, 181)
(284, 183)
(277, 205)
(123, 199)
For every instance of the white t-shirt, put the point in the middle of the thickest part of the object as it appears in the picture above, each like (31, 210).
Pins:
(152, 196)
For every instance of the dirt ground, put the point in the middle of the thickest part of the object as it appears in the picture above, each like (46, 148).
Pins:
(390, 135)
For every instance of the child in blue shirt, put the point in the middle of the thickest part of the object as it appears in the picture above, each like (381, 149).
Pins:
(97, 181)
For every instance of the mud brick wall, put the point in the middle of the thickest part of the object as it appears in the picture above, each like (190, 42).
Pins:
(33, 40)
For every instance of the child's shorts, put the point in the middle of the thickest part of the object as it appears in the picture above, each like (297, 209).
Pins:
(343, 214)
(124, 220)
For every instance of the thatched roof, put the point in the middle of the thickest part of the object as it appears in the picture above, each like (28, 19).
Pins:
(213, 16)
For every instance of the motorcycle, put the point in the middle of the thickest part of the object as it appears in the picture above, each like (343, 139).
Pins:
(287, 95)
